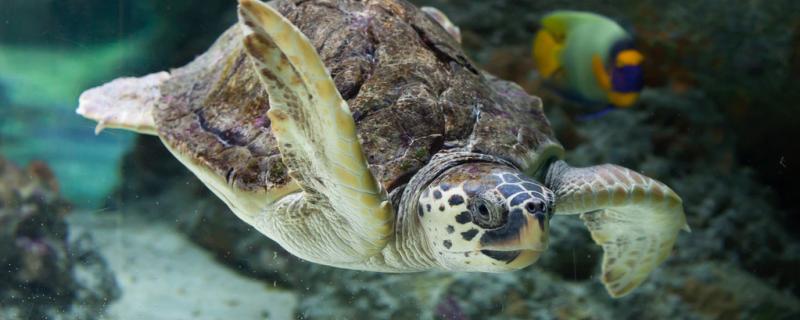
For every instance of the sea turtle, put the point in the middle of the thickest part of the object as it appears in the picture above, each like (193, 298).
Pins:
(357, 134)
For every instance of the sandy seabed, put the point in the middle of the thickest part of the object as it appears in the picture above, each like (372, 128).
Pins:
(162, 275)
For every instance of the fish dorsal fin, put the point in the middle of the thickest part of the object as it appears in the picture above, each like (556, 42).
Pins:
(559, 23)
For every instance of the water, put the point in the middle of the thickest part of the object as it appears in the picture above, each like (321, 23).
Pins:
(111, 226)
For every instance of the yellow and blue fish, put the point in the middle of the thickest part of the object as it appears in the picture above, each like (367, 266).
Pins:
(589, 56)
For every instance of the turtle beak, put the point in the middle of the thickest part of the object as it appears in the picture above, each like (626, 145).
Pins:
(534, 235)
(523, 231)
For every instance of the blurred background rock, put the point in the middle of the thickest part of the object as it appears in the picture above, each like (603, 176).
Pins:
(716, 122)
(50, 274)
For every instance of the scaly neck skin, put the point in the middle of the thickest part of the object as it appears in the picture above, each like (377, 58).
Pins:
(410, 251)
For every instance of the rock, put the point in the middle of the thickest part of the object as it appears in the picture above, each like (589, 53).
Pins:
(680, 140)
(723, 291)
(734, 243)
(47, 275)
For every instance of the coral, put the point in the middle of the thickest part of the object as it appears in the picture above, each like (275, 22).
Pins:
(48, 274)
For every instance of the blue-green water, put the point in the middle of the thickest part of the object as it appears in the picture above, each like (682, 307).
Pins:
(716, 122)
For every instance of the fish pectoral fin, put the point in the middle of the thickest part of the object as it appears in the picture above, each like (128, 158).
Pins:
(547, 53)
(600, 73)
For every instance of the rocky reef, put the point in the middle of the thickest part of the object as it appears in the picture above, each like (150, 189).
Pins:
(743, 58)
(735, 241)
(47, 274)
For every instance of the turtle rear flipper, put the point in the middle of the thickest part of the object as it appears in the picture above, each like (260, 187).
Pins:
(124, 103)
(634, 218)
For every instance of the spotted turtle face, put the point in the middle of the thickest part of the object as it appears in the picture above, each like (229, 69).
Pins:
(485, 217)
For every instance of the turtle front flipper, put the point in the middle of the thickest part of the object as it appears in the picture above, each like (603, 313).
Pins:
(634, 218)
(316, 135)
(124, 103)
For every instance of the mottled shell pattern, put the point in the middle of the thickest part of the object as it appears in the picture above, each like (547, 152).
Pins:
(411, 89)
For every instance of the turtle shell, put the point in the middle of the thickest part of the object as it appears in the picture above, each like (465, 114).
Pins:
(411, 89)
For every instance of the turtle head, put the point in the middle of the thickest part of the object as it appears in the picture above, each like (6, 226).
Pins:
(485, 217)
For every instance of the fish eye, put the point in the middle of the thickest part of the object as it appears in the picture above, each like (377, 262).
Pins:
(486, 214)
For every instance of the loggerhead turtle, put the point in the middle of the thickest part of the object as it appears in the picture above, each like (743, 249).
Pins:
(400, 156)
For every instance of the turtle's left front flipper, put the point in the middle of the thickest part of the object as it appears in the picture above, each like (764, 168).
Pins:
(316, 135)
(634, 218)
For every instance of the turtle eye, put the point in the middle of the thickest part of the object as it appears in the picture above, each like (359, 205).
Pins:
(486, 214)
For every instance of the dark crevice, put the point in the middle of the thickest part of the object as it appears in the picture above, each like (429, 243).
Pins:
(403, 179)
(369, 54)
(321, 4)
(237, 64)
(443, 56)
(300, 3)
(436, 146)
(229, 175)
(352, 91)
(227, 137)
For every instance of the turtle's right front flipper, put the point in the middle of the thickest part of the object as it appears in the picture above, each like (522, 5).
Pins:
(634, 218)
(342, 207)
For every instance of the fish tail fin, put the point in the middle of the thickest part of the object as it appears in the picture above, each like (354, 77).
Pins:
(546, 53)
(596, 114)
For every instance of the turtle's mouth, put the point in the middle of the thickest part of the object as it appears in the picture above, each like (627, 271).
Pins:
(521, 232)
(513, 259)
(507, 256)
(524, 257)
(521, 240)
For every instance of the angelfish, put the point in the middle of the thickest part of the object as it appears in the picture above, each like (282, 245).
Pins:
(588, 57)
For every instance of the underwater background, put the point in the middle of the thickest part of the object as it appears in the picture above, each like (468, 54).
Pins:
(113, 227)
